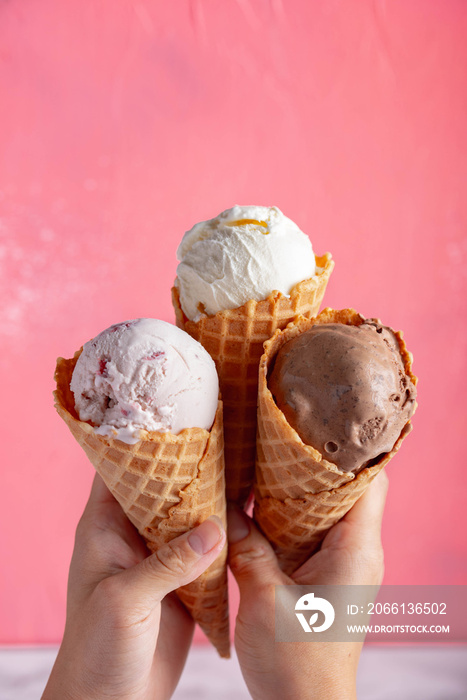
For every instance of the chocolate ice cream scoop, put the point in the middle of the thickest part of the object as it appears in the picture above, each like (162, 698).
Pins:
(344, 390)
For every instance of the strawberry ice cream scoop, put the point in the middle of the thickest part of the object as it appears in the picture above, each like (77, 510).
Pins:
(144, 374)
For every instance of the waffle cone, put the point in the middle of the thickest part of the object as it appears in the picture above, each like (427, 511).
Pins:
(166, 484)
(299, 495)
(234, 338)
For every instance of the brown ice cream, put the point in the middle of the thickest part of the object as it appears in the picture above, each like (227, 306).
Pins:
(344, 390)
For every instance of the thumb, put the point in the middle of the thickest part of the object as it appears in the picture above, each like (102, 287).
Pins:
(251, 557)
(351, 552)
(176, 563)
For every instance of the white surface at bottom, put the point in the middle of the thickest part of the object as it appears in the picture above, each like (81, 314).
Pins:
(385, 673)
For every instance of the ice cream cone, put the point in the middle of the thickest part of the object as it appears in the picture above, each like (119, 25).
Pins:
(166, 484)
(234, 338)
(299, 495)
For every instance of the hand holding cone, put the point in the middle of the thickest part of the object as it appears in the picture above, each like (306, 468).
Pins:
(169, 483)
(299, 495)
(166, 485)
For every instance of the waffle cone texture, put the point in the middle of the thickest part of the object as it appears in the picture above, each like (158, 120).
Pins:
(299, 495)
(166, 484)
(234, 338)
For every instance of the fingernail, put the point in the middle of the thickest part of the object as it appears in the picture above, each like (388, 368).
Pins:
(237, 525)
(206, 535)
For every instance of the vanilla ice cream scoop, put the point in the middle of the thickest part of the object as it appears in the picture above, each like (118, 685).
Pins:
(245, 253)
(144, 374)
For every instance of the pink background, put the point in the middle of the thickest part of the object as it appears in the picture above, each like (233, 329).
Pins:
(123, 123)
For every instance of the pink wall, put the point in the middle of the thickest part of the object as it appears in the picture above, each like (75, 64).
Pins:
(123, 123)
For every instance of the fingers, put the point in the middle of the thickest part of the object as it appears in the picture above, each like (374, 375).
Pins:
(361, 526)
(351, 552)
(175, 564)
(176, 628)
(173, 644)
(101, 504)
(370, 507)
(100, 528)
(251, 558)
(99, 492)
(256, 570)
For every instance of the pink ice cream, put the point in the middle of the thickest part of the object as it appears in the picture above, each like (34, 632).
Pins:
(144, 374)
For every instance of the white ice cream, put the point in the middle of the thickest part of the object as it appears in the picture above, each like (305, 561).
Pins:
(144, 374)
(245, 253)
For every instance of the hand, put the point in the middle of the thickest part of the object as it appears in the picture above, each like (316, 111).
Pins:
(126, 635)
(350, 554)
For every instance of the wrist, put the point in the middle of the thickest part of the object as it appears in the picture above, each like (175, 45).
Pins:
(316, 671)
(311, 689)
(64, 682)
